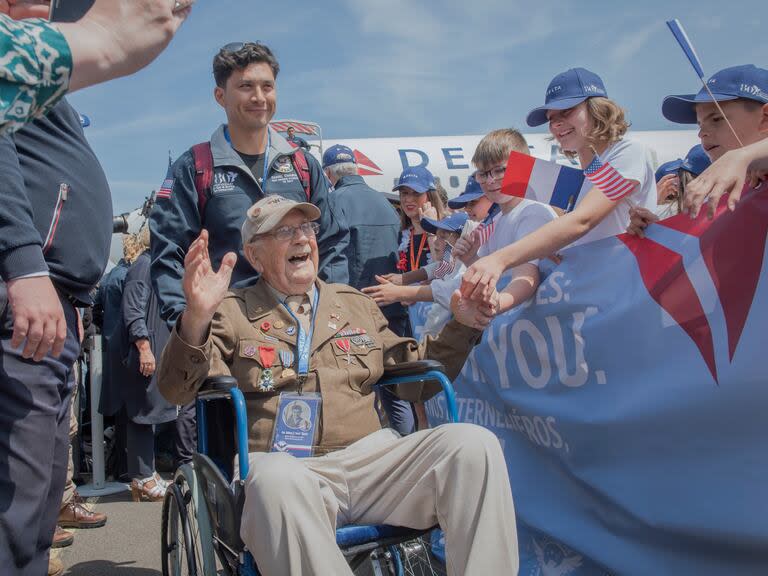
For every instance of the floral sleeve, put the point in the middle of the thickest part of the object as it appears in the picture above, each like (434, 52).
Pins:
(35, 67)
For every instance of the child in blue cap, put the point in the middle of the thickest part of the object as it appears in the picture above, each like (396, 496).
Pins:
(742, 94)
(590, 127)
(672, 179)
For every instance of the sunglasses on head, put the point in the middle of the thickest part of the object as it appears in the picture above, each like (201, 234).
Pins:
(235, 46)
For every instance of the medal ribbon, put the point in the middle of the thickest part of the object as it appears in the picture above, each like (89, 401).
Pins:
(304, 339)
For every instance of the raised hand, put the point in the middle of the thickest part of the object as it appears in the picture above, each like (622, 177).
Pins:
(726, 175)
(466, 249)
(204, 288)
(426, 210)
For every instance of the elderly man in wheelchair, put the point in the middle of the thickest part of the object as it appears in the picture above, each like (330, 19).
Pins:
(305, 355)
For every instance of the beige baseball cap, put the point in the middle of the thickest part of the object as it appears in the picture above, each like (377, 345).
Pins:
(267, 213)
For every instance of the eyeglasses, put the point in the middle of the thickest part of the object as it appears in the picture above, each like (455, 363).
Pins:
(495, 173)
(286, 233)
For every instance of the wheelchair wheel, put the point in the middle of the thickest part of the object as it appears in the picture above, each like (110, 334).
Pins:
(417, 559)
(186, 544)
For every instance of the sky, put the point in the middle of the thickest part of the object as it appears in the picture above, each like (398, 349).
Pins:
(389, 68)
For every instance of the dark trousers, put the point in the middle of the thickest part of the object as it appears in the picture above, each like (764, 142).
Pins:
(140, 448)
(185, 442)
(34, 443)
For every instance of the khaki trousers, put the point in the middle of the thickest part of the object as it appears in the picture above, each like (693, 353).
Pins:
(69, 486)
(453, 475)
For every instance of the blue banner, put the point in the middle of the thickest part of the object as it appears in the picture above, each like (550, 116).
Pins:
(630, 399)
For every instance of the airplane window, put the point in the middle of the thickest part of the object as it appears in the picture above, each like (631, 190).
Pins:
(454, 181)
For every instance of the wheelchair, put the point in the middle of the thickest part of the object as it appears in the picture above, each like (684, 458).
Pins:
(202, 507)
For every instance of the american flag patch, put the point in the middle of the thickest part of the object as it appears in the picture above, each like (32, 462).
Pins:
(608, 180)
(166, 189)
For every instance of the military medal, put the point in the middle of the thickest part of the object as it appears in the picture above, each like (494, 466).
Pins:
(286, 358)
(249, 351)
(279, 325)
(267, 357)
(290, 330)
(345, 346)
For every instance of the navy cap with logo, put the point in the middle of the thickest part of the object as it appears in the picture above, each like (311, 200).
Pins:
(668, 168)
(567, 90)
(338, 154)
(747, 81)
(453, 223)
(696, 161)
(418, 179)
(472, 191)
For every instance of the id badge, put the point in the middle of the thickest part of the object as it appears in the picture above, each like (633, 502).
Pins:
(296, 423)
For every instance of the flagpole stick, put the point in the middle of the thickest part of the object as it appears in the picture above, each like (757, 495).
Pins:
(741, 145)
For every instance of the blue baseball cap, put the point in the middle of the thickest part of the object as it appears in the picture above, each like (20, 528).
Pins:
(453, 223)
(84, 120)
(667, 168)
(418, 179)
(696, 161)
(567, 90)
(472, 191)
(747, 81)
(338, 154)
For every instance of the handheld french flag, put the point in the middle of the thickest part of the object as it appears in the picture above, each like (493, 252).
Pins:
(682, 38)
(542, 180)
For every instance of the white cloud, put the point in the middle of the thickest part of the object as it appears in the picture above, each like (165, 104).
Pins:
(633, 42)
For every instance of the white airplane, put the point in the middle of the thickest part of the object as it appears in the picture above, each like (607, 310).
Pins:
(381, 160)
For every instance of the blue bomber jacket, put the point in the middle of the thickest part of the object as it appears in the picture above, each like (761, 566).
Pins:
(176, 221)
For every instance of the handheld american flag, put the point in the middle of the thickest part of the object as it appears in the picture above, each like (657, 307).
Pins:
(485, 230)
(446, 265)
(605, 178)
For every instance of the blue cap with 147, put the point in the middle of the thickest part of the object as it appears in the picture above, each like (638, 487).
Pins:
(418, 179)
(567, 90)
(747, 81)
(453, 223)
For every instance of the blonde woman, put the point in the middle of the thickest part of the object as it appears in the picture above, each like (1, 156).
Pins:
(589, 127)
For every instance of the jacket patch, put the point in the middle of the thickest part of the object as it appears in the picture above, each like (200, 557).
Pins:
(223, 182)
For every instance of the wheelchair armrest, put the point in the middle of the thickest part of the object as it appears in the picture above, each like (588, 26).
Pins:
(417, 368)
(216, 387)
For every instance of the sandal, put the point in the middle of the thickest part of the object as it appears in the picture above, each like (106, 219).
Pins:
(150, 489)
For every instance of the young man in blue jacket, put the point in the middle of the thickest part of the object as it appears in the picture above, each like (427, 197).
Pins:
(247, 160)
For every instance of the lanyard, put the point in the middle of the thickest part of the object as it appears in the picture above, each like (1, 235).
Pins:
(304, 340)
(263, 182)
(415, 263)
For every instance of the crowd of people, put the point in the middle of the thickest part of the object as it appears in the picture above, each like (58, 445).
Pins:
(296, 277)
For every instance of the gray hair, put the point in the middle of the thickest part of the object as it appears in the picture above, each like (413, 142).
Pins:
(342, 169)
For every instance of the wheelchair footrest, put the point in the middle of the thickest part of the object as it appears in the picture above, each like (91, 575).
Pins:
(348, 536)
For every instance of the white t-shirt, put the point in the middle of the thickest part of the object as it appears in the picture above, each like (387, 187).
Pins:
(523, 219)
(633, 161)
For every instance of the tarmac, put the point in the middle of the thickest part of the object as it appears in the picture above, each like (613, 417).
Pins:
(128, 545)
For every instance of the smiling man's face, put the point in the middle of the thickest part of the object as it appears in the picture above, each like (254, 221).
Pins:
(289, 266)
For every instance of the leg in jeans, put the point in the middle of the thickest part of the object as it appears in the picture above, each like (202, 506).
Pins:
(34, 441)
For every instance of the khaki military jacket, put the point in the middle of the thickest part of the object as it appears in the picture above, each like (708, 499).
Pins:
(250, 318)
